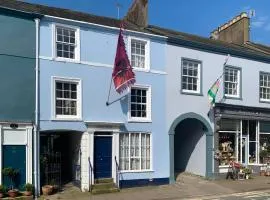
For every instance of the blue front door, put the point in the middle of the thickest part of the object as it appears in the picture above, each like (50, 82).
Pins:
(15, 156)
(103, 157)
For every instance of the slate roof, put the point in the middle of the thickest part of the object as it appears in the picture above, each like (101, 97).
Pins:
(259, 47)
(198, 42)
(66, 13)
(249, 50)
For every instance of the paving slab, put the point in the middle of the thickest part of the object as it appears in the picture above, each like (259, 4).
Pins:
(187, 186)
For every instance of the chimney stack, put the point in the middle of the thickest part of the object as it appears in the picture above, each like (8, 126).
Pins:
(138, 13)
(235, 31)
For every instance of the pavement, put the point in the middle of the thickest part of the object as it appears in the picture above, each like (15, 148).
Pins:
(187, 186)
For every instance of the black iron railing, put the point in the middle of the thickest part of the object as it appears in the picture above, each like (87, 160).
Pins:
(117, 172)
(90, 174)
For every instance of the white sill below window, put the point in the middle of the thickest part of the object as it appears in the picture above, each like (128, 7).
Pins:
(191, 91)
(232, 96)
(62, 59)
(145, 69)
(136, 119)
(265, 100)
(67, 118)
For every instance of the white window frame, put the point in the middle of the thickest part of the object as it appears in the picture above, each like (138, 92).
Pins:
(198, 91)
(79, 98)
(148, 104)
(151, 154)
(266, 87)
(238, 82)
(77, 43)
(147, 53)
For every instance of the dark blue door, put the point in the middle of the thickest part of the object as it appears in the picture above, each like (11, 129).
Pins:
(14, 156)
(103, 157)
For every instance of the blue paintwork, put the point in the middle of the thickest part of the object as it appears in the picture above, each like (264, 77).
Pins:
(143, 182)
(98, 46)
(103, 157)
(15, 156)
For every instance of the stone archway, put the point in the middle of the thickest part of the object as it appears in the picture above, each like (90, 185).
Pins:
(185, 119)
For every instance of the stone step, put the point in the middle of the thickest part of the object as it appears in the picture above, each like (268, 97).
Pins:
(104, 180)
(105, 190)
(103, 185)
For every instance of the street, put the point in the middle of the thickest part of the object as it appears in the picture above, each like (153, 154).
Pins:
(255, 195)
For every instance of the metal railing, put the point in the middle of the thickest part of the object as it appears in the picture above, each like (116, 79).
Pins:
(90, 174)
(117, 172)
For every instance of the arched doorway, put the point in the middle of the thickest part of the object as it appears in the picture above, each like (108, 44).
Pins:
(191, 146)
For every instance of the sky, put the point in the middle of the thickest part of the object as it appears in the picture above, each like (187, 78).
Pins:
(198, 17)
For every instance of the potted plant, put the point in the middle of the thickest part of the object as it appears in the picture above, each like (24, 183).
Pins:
(247, 172)
(29, 188)
(3, 190)
(11, 173)
(47, 189)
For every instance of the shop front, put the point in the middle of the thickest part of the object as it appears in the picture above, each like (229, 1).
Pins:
(242, 134)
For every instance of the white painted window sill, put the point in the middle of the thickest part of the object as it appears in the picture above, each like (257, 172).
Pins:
(139, 121)
(67, 119)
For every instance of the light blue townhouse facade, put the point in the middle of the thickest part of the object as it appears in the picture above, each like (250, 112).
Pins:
(159, 127)
(121, 140)
(17, 109)
(204, 138)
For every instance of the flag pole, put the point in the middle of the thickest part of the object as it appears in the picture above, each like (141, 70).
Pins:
(109, 93)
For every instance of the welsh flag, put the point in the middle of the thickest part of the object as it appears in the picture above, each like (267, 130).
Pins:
(212, 92)
(123, 76)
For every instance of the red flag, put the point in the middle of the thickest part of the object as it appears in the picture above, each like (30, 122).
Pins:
(122, 75)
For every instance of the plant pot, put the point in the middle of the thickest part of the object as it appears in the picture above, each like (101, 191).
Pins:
(47, 189)
(262, 173)
(247, 176)
(55, 188)
(13, 193)
(267, 173)
(28, 193)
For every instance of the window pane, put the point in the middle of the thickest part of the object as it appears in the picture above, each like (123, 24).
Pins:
(190, 75)
(66, 100)
(134, 155)
(65, 42)
(227, 147)
(231, 81)
(265, 86)
(138, 102)
(264, 148)
(138, 53)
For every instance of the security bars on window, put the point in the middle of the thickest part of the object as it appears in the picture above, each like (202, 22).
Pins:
(190, 76)
(265, 86)
(138, 53)
(231, 82)
(66, 98)
(138, 103)
(65, 42)
(134, 151)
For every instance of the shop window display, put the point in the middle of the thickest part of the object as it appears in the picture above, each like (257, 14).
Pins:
(264, 148)
(226, 147)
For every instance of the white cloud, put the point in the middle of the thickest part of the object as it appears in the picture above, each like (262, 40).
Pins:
(259, 22)
(263, 18)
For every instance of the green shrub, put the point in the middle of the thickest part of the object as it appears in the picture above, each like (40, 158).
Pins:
(3, 189)
(29, 187)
